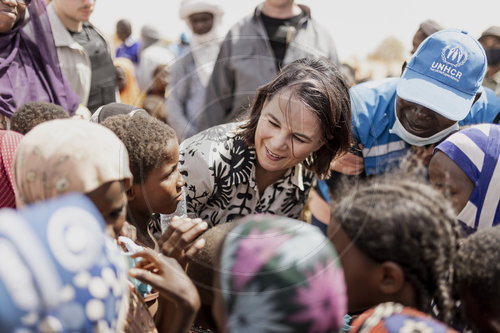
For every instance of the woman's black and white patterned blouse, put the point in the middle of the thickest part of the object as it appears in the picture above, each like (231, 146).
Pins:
(219, 170)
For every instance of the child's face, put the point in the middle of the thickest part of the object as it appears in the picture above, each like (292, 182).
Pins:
(111, 201)
(162, 189)
(447, 177)
(358, 269)
(476, 317)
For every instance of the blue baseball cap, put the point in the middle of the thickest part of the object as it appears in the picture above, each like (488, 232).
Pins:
(445, 73)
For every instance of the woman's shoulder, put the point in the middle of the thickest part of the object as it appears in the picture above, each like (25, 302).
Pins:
(218, 139)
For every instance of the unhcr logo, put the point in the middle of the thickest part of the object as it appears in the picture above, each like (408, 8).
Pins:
(453, 57)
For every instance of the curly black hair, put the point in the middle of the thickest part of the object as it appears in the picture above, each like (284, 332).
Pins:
(412, 225)
(477, 269)
(146, 139)
(31, 114)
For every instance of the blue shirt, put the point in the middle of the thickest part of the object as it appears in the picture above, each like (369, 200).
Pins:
(373, 116)
(130, 50)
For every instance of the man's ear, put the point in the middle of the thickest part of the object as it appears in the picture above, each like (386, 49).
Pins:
(478, 95)
(403, 67)
(391, 278)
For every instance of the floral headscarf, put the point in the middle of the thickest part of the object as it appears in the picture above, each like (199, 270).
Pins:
(59, 271)
(8, 144)
(396, 318)
(280, 275)
(67, 155)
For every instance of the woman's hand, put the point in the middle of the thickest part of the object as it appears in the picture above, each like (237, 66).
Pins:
(178, 241)
(168, 277)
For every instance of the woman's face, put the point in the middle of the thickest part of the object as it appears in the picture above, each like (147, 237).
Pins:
(287, 133)
(11, 11)
(447, 176)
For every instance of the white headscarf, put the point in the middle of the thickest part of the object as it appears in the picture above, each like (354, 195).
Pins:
(67, 155)
(204, 48)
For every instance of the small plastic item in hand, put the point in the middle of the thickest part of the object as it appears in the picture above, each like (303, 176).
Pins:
(181, 211)
(133, 248)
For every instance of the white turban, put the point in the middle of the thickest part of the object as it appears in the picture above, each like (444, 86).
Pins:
(190, 7)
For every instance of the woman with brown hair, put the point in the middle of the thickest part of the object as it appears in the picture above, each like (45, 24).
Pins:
(298, 123)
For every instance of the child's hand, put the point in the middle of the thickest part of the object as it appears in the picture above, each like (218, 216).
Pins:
(178, 241)
(168, 277)
(128, 230)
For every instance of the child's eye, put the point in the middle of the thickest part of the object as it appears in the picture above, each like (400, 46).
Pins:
(167, 176)
(116, 213)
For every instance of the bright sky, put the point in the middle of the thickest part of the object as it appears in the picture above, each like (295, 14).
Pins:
(357, 26)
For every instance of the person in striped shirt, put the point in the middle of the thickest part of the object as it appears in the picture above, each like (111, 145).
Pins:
(466, 167)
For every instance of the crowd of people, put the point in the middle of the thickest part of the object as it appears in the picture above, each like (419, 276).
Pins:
(244, 181)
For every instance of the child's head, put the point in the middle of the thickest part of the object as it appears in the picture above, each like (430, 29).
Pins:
(201, 270)
(114, 109)
(477, 272)
(161, 77)
(123, 29)
(395, 318)
(278, 274)
(58, 248)
(69, 155)
(154, 155)
(397, 241)
(155, 106)
(33, 113)
(320, 88)
(465, 167)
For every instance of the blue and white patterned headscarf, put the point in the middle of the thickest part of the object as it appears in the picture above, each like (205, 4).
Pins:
(59, 271)
(476, 150)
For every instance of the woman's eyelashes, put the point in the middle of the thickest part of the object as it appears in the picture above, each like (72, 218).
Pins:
(295, 137)
(300, 140)
(274, 124)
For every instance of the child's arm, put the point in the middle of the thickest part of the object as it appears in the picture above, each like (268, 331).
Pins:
(179, 301)
(180, 240)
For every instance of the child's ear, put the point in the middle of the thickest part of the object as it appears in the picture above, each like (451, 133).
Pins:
(131, 193)
(392, 278)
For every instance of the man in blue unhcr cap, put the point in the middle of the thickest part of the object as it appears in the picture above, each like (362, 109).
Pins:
(440, 90)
